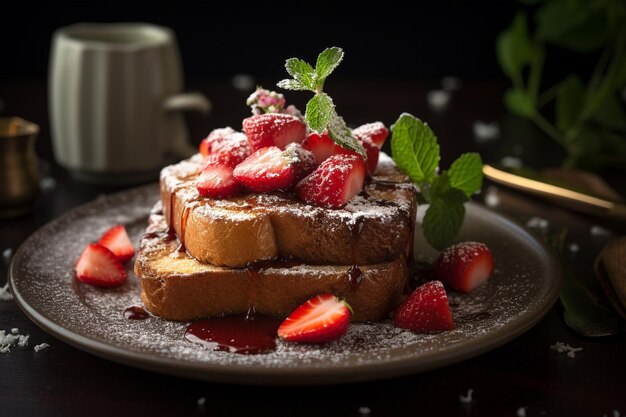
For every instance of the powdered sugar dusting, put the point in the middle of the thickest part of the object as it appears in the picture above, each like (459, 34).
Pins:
(45, 281)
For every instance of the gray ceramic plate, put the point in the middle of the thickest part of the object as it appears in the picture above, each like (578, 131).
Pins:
(524, 287)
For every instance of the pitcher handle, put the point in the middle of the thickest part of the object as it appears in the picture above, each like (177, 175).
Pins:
(188, 101)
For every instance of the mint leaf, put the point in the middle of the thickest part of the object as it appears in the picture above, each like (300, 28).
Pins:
(466, 173)
(301, 71)
(326, 63)
(443, 219)
(292, 85)
(343, 136)
(319, 111)
(414, 148)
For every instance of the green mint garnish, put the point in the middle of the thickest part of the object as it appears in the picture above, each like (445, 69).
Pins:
(320, 110)
(415, 150)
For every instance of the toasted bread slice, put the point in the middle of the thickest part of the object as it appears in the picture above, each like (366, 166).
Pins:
(375, 226)
(176, 286)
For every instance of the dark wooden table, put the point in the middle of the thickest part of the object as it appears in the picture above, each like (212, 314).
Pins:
(64, 381)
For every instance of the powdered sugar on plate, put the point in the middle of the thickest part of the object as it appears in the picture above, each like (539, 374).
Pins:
(44, 282)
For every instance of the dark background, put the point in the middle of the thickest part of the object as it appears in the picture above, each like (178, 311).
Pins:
(216, 42)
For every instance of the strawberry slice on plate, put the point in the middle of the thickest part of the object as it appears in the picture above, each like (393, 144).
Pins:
(99, 266)
(217, 181)
(117, 241)
(334, 182)
(464, 266)
(376, 132)
(273, 129)
(426, 310)
(321, 319)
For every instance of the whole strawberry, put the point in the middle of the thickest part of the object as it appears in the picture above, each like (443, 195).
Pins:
(426, 310)
(273, 129)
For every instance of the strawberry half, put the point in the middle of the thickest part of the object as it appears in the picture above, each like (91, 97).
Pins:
(267, 169)
(217, 181)
(273, 129)
(230, 151)
(322, 146)
(426, 310)
(464, 266)
(376, 132)
(98, 266)
(216, 137)
(334, 182)
(117, 241)
(321, 319)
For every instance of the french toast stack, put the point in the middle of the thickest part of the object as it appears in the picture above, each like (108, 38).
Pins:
(270, 252)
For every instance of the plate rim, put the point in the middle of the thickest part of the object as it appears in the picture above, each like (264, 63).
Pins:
(301, 375)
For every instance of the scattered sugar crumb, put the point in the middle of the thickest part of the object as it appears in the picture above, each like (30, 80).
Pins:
(491, 198)
(41, 347)
(573, 247)
(438, 99)
(537, 223)
(450, 83)
(466, 399)
(521, 412)
(486, 132)
(5, 294)
(518, 149)
(599, 231)
(7, 254)
(201, 401)
(511, 162)
(364, 411)
(243, 82)
(47, 184)
(7, 340)
(561, 347)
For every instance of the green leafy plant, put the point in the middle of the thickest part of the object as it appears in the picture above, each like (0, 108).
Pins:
(416, 152)
(589, 119)
(320, 110)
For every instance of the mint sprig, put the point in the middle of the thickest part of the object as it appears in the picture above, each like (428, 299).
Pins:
(320, 110)
(415, 150)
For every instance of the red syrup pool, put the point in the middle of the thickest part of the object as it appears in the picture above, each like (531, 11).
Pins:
(240, 333)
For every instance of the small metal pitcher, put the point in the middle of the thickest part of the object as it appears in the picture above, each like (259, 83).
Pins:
(19, 179)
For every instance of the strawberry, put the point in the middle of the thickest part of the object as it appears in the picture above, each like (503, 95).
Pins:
(117, 241)
(98, 266)
(215, 137)
(334, 182)
(230, 151)
(273, 129)
(216, 181)
(321, 319)
(303, 160)
(267, 169)
(376, 132)
(426, 310)
(322, 146)
(464, 266)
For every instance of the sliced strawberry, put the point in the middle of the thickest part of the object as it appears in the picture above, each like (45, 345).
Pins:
(464, 266)
(372, 154)
(334, 182)
(322, 146)
(117, 241)
(98, 266)
(216, 137)
(321, 319)
(302, 160)
(216, 181)
(267, 169)
(426, 310)
(376, 132)
(230, 151)
(273, 129)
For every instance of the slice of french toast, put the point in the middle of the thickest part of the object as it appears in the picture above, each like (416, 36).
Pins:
(176, 286)
(376, 226)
